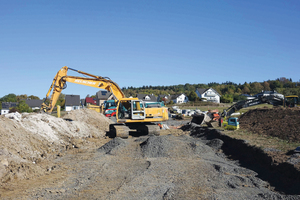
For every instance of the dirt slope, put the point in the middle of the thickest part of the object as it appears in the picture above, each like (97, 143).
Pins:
(28, 139)
(278, 122)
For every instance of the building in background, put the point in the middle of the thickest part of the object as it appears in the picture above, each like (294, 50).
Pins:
(210, 95)
(179, 98)
(102, 96)
(34, 104)
(6, 106)
(72, 102)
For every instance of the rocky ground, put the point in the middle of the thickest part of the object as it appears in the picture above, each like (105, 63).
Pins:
(43, 157)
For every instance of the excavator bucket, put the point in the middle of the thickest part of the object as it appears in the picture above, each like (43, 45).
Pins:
(204, 119)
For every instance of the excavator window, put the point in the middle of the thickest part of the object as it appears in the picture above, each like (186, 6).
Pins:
(124, 110)
(137, 106)
(233, 120)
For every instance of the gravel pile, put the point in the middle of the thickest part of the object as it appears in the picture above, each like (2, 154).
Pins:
(158, 167)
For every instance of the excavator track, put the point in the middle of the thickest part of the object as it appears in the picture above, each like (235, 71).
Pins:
(122, 131)
(150, 129)
(119, 130)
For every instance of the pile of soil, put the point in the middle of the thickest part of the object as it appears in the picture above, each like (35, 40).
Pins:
(28, 139)
(277, 122)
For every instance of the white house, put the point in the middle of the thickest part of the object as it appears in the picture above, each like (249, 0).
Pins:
(208, 94)
(72, 102)
(6, 106)
(179, 98)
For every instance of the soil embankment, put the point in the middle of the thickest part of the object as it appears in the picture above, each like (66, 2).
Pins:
(29, 142)
(280, 122)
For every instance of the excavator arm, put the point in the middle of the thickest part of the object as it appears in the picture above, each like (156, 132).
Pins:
(209, 118)
(60, 79)
(272, 99)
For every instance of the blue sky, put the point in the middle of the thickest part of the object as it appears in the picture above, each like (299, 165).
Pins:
(140, 42)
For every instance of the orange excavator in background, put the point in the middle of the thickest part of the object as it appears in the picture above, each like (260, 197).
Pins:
(131, 113)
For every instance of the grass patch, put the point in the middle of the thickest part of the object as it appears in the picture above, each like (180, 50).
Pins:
(263, 141)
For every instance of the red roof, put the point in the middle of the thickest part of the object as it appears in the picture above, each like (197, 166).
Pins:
(90, 100)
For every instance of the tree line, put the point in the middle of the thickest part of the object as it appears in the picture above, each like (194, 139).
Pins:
(229, 91)
(20, 99)
(22, 106)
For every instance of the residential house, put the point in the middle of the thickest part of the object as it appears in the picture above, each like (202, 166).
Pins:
(72, 102)
(34, 104)
(103, 95)
(90, 101)
(6, 106)
(208, 94)
(147, 97)
(179, 98)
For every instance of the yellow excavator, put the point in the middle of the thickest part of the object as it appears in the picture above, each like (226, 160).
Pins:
(131, 113)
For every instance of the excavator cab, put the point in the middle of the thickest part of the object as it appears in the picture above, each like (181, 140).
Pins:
(292, 101)
(231, 124)
(131, 109)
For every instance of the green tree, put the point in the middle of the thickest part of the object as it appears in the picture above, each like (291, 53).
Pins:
(239, 91)
(33, 97)
(256, 87)
(61, 100)
(275, 84)
(226, 98)
(246, 90)
(193, 96)
(9, 98)
(23, 107)
(237, 97)
(21, 97)
(266, 86)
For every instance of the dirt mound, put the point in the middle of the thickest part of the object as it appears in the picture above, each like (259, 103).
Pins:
(27, 139)
(163, 146)
(283, 123)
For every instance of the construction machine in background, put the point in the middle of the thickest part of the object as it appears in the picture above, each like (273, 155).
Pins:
(131, 113)
(292, 101)
(213, 118)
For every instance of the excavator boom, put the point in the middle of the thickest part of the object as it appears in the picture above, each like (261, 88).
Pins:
(60, 79)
